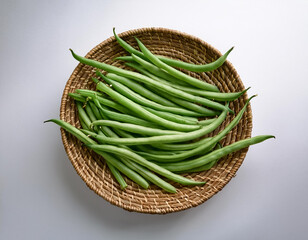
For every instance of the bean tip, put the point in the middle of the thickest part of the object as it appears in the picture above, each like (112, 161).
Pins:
(49, 120)
(95, 80)
(253, 96)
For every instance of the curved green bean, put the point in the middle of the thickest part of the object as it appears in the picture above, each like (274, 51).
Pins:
(218, 96)
(174, 72)
(188, 105)
(215, 155)
(176, 63)
(125, 170)
(194, 67)
(85, 139)
(205, 167)
(142, 78)
(140, 160)
(204, 148)
(206, 121)
(149, 176)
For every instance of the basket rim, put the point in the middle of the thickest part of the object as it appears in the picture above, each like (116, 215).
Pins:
(64, 98)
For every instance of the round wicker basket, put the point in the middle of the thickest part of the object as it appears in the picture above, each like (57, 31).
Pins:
(92, 168)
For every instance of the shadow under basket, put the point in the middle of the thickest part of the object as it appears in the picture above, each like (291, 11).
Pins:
(92, 168)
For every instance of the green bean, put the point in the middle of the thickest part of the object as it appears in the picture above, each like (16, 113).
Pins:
(135, 128)
(144, 101)
(143, 112)
(98, 116)
(88, 116)
(150, 70)
(77, 97)
(105, 129)
(218, 96)
(215, 155)
(95, 110)
(124, 58)
(169, 116)
(142, 78)
(89, 92)
(117, 175)
(134, 167)
(149, 176)
(92, 117)
(140, 160)
(205, 167)
(126, 170)
(204, 148)
(164, 139)
(174, 72)
(222, 96)
(90, 112)
(85, 139)
(125, 118)
(103, 101)
(188, 105)
(173, 117)
(206, 121)
(141, 90)
(73, 130)
(176, 63)
(176, 92)
(166, 115)
(197, 68)
(183, 146)
(83, 115)
(82, 123)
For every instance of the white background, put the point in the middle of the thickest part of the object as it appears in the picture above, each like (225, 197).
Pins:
(42, 197)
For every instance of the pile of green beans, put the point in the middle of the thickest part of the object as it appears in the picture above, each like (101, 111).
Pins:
(149, 124)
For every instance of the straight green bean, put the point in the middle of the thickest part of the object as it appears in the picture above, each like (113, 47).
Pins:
(143, 112)
(134, 128)
(120, 88)
(164, 139)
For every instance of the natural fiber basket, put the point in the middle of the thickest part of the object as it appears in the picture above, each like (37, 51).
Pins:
(92, 168)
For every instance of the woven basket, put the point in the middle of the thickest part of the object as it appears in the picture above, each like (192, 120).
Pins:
(92, 168)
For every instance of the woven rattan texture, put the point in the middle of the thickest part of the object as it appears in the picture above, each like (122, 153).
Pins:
(92, 168)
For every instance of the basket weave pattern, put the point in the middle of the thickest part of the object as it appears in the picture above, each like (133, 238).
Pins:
(92, 168)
